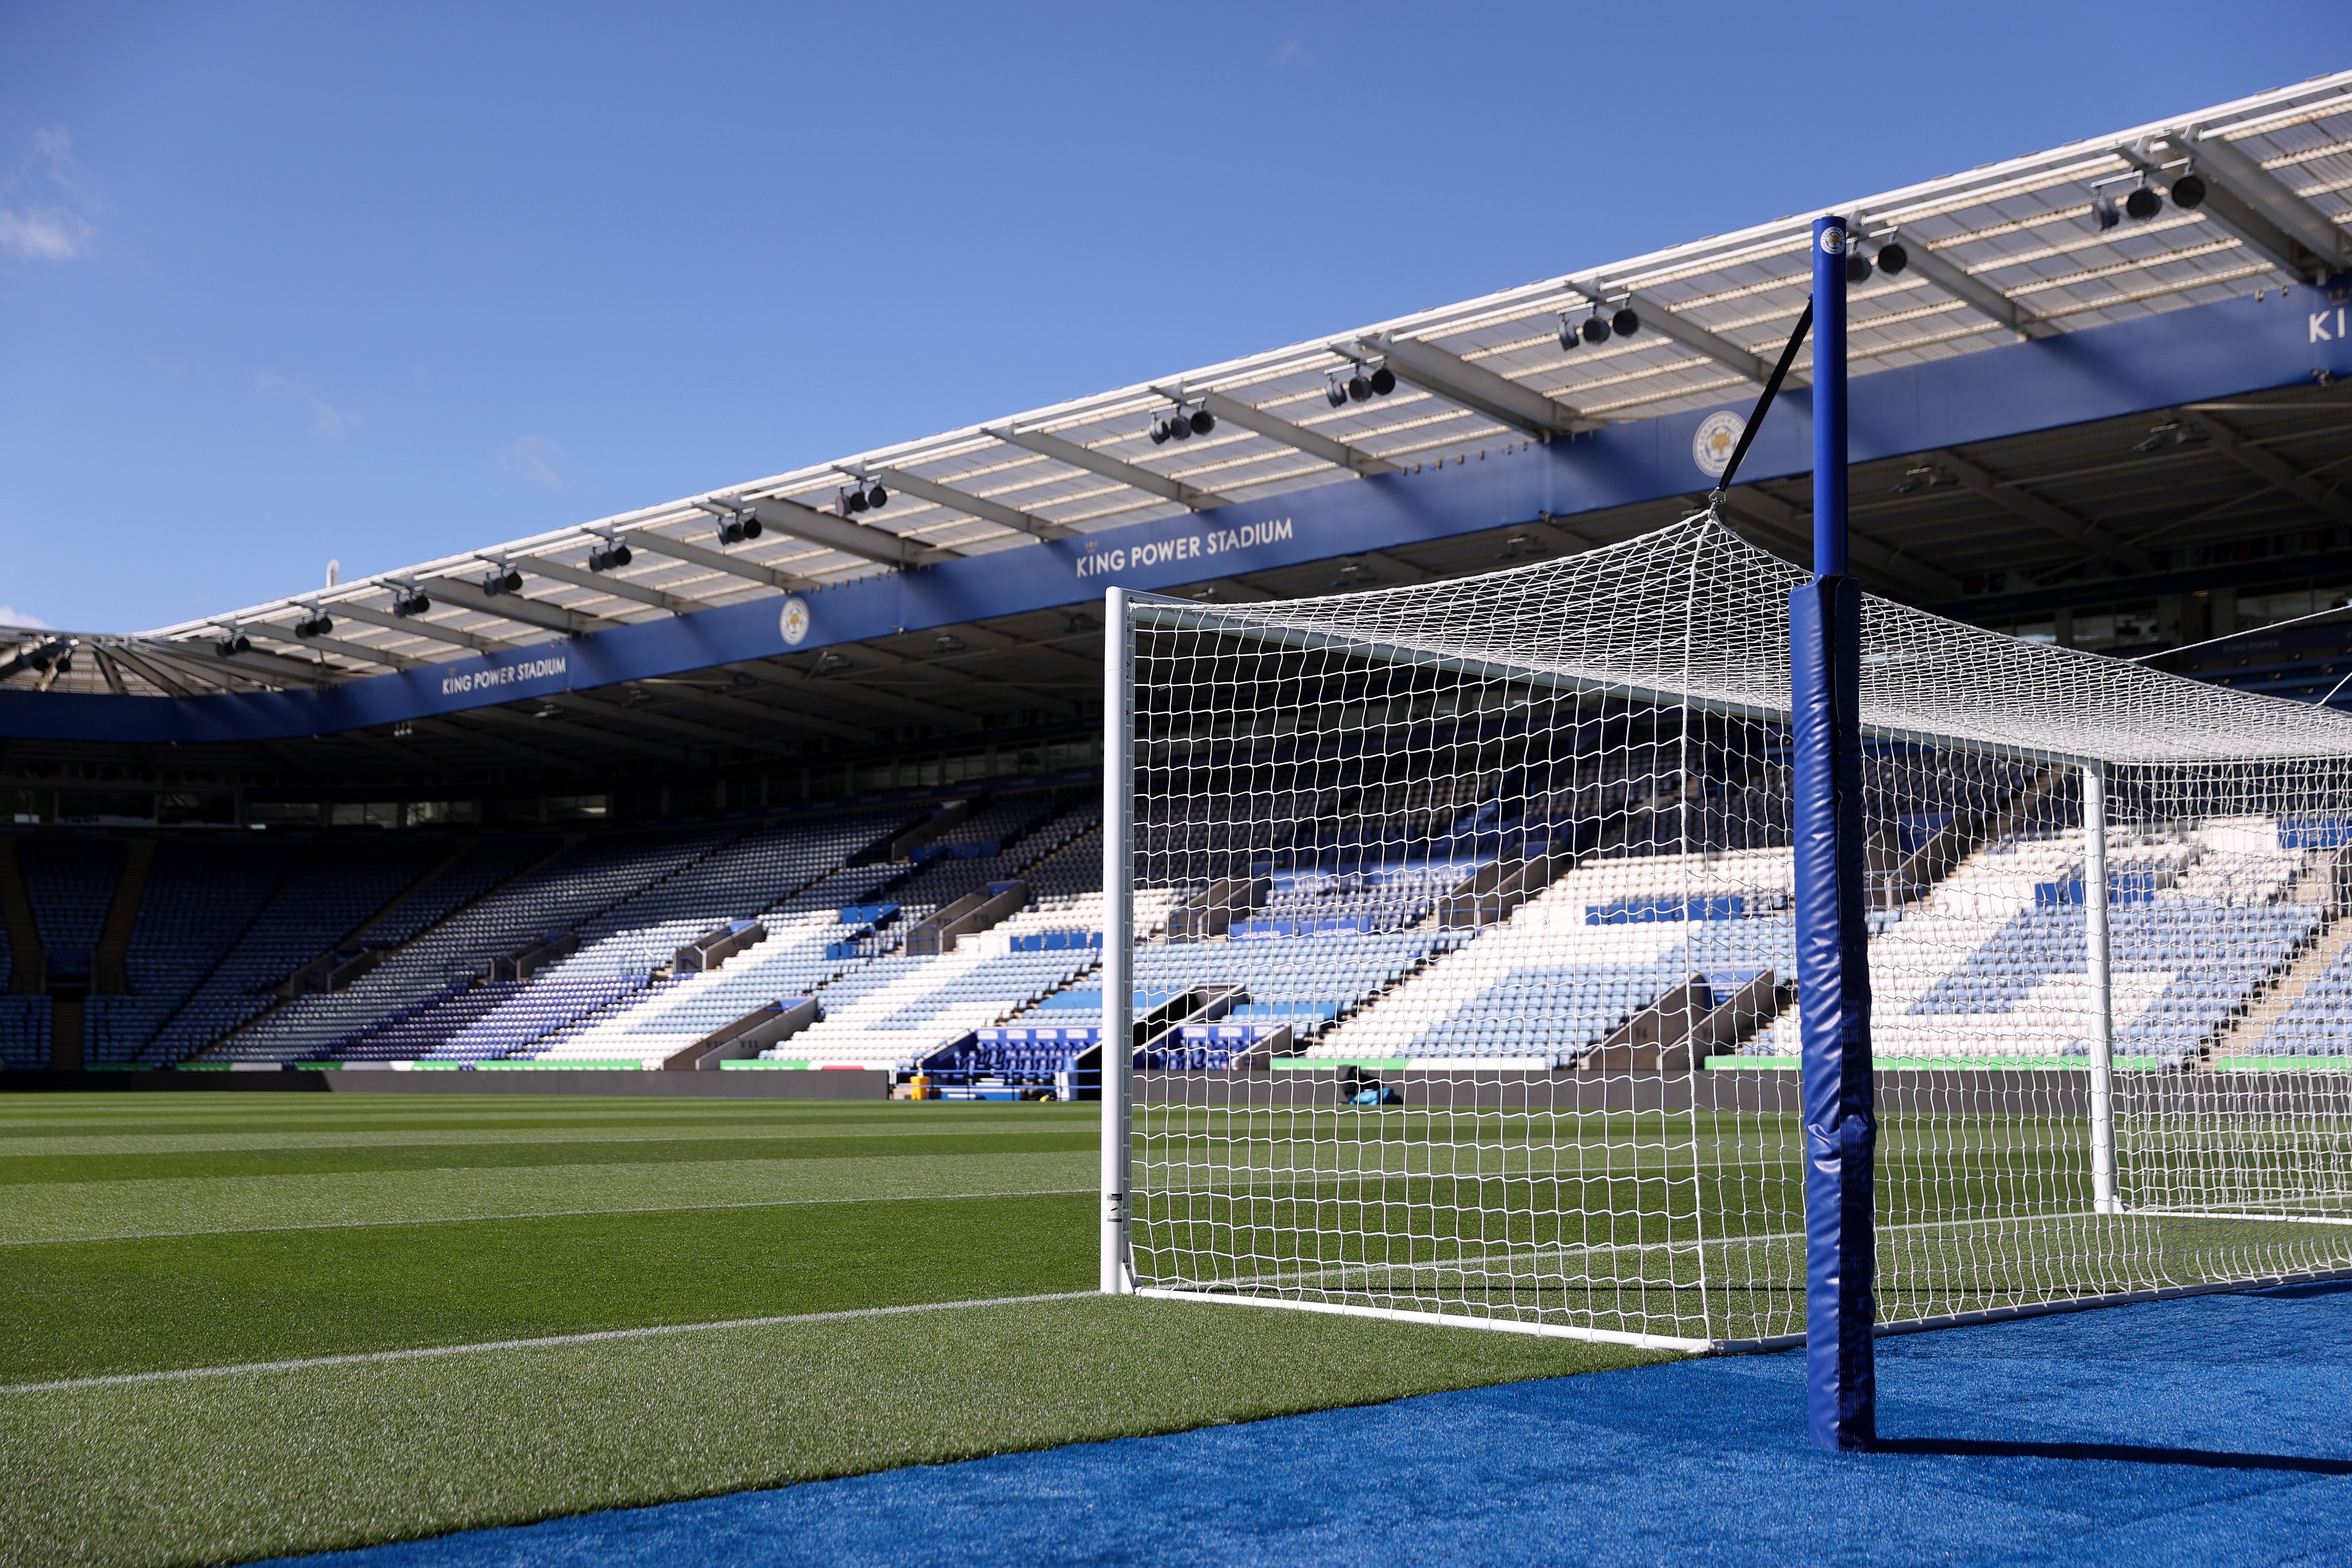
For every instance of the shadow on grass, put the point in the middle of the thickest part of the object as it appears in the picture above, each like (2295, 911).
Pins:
(2127, 1453)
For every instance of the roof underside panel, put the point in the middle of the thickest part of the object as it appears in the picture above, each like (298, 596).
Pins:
(2010, 249)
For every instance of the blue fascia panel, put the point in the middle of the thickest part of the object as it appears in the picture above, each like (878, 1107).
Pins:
(2221, 350)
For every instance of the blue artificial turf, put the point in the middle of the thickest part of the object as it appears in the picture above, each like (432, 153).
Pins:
(2216, 1429)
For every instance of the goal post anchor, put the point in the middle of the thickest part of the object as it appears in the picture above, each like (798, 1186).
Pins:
(1840, 1128)
(1117, 1051)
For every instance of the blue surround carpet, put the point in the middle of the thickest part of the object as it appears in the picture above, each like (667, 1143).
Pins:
(2216, 1429)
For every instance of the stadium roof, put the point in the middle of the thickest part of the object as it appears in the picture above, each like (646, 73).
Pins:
(2003, 254)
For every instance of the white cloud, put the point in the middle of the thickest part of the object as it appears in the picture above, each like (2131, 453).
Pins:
(12, 617)
(44, 198)
(326, 419)
(533, 459)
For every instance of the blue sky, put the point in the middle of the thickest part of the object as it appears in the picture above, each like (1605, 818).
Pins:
(280, 284)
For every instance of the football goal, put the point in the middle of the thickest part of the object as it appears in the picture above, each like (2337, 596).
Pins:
(1452, 928)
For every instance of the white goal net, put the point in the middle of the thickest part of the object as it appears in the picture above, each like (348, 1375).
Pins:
(1466, 988)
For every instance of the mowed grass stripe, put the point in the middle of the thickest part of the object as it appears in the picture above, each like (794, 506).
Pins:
(426, 1353)
(539, 1214)
(90, 1309)
(507, 1152)
(96, 1210)
(139, 1144)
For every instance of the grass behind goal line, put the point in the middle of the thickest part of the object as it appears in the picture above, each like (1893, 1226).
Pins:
(139, 1233)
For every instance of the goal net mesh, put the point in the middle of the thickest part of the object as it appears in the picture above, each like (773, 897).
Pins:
(1464, 974)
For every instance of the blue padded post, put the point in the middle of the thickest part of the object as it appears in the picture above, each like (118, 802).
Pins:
(1833, 931)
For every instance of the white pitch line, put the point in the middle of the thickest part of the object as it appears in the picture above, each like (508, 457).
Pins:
(533, 1213)
(431, 1352)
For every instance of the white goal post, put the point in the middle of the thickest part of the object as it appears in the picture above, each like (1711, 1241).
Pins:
(1450, 928)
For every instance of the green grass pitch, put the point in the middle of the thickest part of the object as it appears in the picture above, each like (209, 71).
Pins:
(144, 1234)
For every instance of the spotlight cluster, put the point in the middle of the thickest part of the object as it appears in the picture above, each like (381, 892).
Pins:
(737, 527)
(852, 499)
(315, 623)
(232, 643)
(59, 654)
(2144, 201)
(1892, 259)
(502, 579)
(1181, 423)
(609, 556)
(1624, 322)
(410, 601)
(1364, 383)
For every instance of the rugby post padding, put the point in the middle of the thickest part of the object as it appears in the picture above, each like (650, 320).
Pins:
(1832, 932)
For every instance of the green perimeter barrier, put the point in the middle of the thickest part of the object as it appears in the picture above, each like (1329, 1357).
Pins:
(567, 1065)
(2282, 1064)
(753, 1064)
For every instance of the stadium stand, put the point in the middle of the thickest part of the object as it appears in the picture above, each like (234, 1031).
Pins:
(2198, 926)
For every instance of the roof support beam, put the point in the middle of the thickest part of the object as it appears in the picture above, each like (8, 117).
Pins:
(853, 694)
(2024, 503)
(614, 712)
(2268, 465)
(1656, 317)
(1273, 427)
(877, 544)
(971, 505)
(1769, 512)
(714, 561)
(605, 582)
(603, 735)
(2255, 205)
(1473, 386)
(417, 625)
(375, 656)
(1109, 467)
(154, 670)
(449, 727)
(1978, 295)
(523, 612)
(108, 667)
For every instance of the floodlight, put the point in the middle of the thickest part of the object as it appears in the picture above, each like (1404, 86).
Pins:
(406, 602)
(1624, 323)
(608, 557)
(876, 497)
(1334, 392)
(1568, 334)
(501, 580)
(1359, 387)
(2188, 192)
(232, 643)
(1159, 430)
(1857, 266)
(1595, 329)
(1893, 259)
(852, 499)
(1179, 427)
(2142, 205)
(313, 624)
(2104, 214)
(1202, 421)
(1383, 382)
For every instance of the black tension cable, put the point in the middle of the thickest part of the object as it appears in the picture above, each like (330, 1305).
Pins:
(1763, 405)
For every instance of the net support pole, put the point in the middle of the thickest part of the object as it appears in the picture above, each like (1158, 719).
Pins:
(2101, 1012)
(1832, 924)
(1118, 1050)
